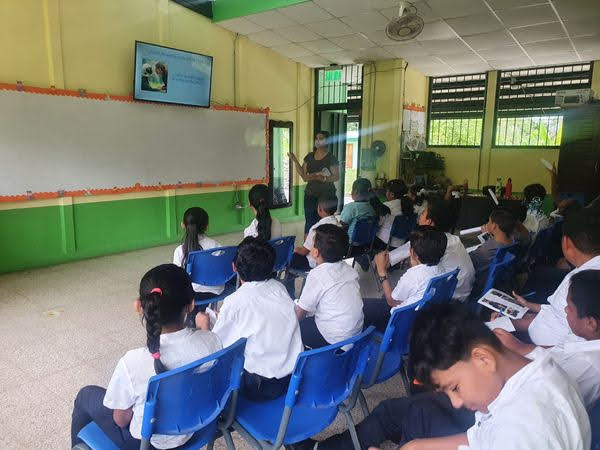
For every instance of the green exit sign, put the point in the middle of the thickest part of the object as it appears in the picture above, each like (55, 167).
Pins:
(333, 75)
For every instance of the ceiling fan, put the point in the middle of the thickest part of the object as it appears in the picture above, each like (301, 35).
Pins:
(407, 25)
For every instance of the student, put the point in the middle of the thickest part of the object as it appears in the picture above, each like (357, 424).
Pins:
(533, 198)
(501, 226)
(330, 307)
(263, 226)
(399, 205)
(547, 323)
(195, 224)
(427, 246)
(166, 296)
(327, 206)
(438, 214)
(262, 312)
(519, 403)
(361, 207)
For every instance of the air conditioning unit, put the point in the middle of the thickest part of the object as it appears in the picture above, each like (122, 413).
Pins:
(573, 97)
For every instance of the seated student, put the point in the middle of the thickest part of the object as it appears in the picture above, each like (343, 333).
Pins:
(330, 306)
(360, 208)
(262, 312)
(533, 199)
(501, 226)
(263, 226)
(399, 205)
(547, 323)
(520, 403)
(438, 214)
(326, 208)
(427, 246)
(430, 414)
(165, 297)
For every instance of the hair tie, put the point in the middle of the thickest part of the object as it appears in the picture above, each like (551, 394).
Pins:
(156, 355)
(156, 291)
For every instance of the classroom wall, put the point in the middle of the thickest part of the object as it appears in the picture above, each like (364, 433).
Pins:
(89, 44)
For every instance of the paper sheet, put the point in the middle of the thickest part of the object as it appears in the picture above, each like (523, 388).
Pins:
(470, 231)
(400, 254)
(502, 322)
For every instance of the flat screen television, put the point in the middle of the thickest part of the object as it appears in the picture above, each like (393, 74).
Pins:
(164, 74)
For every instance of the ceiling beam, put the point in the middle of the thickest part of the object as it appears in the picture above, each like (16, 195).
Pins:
(231, 9)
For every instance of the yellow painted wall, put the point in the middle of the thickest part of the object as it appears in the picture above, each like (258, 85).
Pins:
(415, 88)
(89, 44)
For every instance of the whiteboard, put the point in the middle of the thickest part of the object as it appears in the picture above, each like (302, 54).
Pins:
(52, 143)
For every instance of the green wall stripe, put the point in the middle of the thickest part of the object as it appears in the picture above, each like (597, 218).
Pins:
(230, 9)
(35, 237)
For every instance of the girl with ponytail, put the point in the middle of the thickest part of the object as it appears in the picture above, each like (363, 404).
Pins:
(165, 298)
(263, 226)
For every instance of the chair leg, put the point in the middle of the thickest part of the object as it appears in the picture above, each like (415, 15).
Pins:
(228, 440)
(352, 430)
(210, 445)
(363, 404)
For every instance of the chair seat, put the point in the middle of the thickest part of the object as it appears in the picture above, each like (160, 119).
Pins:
(229, 289)
(392, 362)
(261, 420)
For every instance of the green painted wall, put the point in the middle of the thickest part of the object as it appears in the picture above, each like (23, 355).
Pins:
(34, 237)
(230, 9)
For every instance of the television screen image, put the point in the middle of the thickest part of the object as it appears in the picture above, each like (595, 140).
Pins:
(164, 74)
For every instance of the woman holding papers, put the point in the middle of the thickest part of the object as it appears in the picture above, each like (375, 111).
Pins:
(320, 169)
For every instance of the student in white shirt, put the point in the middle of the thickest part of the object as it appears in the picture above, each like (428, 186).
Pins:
(519, 403)
(438, 214)
(166, 296)
(427, 246)
(330, 307)
(195, 224)
(262, 312)
(399, 205)
(533, 198)
(326, 208)
(547, 323)
(263, 226)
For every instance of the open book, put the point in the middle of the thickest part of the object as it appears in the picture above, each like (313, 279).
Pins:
(503, 303)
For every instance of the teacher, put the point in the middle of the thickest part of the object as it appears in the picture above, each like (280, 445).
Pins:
(320, 170)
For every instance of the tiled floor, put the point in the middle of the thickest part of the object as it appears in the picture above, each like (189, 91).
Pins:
(66, 326)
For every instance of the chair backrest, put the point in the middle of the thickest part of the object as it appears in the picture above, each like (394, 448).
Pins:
(595, 422)
(191, 397)
(364, 232)
(284, 250)
(402, 226)
(211, 267)
(499, 272)
(505, 249)
(326, 376)
(441, 288)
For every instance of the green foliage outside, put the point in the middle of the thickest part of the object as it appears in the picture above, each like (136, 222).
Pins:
(455, 132)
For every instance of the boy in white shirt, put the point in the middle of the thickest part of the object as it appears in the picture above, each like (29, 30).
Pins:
(547, 323)
(399, 205)
(427, 246)
(330, 307)
(262, 312)
(519, 403)
(326, 208)
(438, 214)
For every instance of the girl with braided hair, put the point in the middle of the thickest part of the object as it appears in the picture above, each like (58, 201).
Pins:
(263, 226)
(165, 298)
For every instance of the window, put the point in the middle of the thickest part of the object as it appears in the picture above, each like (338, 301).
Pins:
(526, 115)
(280, 145)
(339, 85)
(456, 109)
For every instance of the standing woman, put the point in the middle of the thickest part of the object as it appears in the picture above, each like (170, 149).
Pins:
(320, 169)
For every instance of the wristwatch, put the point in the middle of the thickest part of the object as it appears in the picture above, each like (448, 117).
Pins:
(382, 278)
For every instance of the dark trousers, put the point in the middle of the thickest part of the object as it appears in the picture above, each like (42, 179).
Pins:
(190, 320)
(260, 389)
(311, 216)
(376, 312)
(402, 420)
(379, 245)
(311, 336)
(89, 408)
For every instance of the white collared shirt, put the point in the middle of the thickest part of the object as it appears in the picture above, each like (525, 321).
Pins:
(206, 243)
(310, 237)
(550, 327)
(581, 360)
(264, 314)
(386, 222)
(412, 285)
(539, 407)
(252, 229)
(332, 295)
(129, 383)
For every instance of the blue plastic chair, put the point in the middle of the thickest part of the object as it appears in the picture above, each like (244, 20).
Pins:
(361, 240)
(322, 379)
(212, 268)
(402, 227)
(186, 400)
(499, 272)
(441, 288)
(284, 249)
(595, 422)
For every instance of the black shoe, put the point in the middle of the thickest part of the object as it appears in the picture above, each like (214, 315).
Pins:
(307, 444)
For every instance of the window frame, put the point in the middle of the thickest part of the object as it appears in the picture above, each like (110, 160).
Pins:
(428, 118)
(280, 124)
(497, 98)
